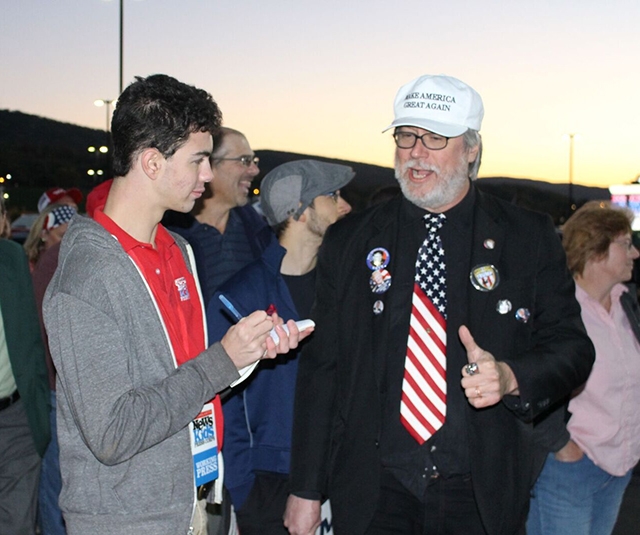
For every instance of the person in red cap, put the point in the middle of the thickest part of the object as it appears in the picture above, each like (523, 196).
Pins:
(69, 197)
(47, 230)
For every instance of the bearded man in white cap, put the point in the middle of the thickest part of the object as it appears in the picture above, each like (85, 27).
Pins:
(447, 339)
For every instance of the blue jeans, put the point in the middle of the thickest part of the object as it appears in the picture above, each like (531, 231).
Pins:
(51, 521)
(575, 497)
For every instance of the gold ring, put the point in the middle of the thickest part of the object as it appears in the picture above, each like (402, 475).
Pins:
(478, 394)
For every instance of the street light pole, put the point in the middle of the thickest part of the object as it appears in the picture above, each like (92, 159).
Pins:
(107, 103)
(572, 137)
(104, 102)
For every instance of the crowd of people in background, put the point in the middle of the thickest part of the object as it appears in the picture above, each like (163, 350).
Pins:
(468, 372)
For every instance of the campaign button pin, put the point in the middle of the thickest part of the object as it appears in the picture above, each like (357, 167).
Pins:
(380, 281)
(378, 307)
(489, 243)
(523, 315)
(378, 258)
(503, 306)
(484, 277)
(181, 284)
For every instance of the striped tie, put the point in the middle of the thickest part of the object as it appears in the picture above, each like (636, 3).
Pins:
(423, 407)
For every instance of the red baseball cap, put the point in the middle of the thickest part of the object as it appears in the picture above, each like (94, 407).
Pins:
(55, 194)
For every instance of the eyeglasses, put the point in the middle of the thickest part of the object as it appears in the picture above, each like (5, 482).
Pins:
(407, 140)
(333, 195)
(244, 160)
(627, 244)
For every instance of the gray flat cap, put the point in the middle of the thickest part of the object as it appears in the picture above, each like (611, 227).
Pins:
(288, 189)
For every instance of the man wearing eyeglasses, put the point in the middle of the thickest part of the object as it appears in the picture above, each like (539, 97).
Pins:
(300, 200)
(446, 332)
(226, 234)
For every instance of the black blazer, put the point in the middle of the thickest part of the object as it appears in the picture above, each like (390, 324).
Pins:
(338, 410)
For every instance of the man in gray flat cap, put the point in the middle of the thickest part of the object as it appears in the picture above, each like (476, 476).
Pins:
(300, 200)
(446, 332)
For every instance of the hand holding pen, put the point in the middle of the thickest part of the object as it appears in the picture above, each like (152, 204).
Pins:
(250, 340)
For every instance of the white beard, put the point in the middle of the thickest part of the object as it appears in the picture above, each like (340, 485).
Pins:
(448, 187)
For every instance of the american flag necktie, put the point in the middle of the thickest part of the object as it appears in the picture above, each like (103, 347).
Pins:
(423, 406)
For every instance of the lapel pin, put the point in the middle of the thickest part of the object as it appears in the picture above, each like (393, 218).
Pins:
(523, 315)
(380, 281)
(378, 258)
(503, 306)
(484, 277)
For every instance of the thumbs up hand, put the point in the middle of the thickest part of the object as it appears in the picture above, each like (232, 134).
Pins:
(485, 380)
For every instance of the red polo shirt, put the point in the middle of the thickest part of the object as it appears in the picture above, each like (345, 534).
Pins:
(175, 291)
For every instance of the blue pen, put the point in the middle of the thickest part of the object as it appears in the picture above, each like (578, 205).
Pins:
(230, 307)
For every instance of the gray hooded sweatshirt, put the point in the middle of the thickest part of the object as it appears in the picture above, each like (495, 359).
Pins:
(123, 406)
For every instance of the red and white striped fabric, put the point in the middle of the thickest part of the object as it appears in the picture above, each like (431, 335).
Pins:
(423, 407)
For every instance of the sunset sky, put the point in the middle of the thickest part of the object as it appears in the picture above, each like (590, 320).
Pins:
(320, 77)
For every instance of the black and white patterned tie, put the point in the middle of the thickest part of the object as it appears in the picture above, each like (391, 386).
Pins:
(431, 274)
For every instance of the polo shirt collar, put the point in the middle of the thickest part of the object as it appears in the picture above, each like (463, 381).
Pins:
(164, 240)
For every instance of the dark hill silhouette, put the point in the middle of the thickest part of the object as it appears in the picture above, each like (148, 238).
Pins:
(532, 194)
(41, 153)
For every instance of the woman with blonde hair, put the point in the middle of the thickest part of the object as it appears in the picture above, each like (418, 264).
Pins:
(47, 230)
(581, 486)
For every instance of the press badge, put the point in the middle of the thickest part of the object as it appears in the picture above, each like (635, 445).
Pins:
(204, 446)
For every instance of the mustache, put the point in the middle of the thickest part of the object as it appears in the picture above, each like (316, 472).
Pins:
(417, 164)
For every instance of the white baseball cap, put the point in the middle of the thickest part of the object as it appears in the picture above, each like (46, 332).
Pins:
(441, 104)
